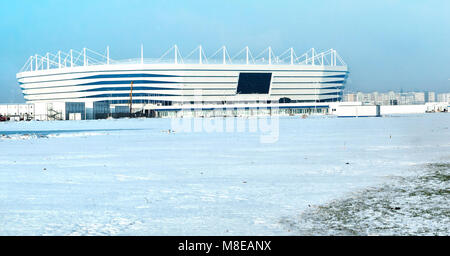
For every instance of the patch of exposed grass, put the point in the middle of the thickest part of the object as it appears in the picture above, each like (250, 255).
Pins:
(413, 205)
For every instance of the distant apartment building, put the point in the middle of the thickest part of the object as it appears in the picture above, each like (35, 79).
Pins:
(430, 97)
(419, 97)
(443, 97)
(351, 97)
(391, 98)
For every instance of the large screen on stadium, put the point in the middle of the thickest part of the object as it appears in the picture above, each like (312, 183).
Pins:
(254, 83)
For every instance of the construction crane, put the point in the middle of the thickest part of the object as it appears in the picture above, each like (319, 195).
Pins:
(131, 98)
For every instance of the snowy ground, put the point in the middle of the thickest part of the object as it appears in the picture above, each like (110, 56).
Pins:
(131, 177)
(413, 205)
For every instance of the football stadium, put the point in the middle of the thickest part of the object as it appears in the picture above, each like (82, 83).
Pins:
(164, 86)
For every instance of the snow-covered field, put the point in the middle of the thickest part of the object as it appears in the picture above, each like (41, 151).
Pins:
(132, 177)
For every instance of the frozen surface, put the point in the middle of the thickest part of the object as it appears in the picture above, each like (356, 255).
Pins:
(131, 177)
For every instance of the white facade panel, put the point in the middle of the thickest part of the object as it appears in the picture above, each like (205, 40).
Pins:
(403, 109)
(354, 111)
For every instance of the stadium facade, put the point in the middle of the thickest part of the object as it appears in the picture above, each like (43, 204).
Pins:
(172, 80)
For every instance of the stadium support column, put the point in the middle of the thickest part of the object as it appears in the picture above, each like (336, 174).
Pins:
(142, 54)
(71, 58)
(313, 57)
(331, 57)
(292, 56)
(270, 55)
(246, 54)
(224, 52)
(176, 54)
(107, 55)
(200, 54)
(84, 57)
(334, 57)
(59, 59)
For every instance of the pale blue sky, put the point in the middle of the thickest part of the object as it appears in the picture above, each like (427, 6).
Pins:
(388, 45)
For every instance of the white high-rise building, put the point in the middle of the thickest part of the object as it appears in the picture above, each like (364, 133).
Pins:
(443, 97)
(430, 96)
